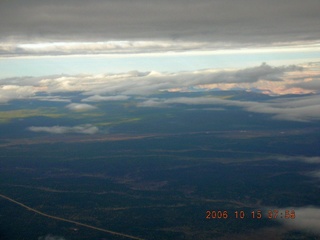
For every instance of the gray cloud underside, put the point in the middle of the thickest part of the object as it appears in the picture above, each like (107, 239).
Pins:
(307, 219)
(254, 74)
(83, 129)
(242, 21)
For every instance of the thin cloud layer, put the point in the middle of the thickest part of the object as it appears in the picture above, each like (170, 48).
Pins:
(148, 47)
(315, 174)
(109, 47)
(83, 129)
(311, 160)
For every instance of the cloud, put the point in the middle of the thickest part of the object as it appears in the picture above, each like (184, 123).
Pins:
(109, 87)
(292, 109)
(108, 47)
(84, 129)
(315, 174)
(296, 109)
(306, 219)
(311, 160)
(314, 84)
(121, 86)
(309, 81)
(80, 107)
(52, 98)
(243, 21)
(98, 98)
(51, 237)
(148, 83)
(254, 74)
(10, 92)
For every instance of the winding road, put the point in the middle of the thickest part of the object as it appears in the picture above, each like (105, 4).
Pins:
(69, 221)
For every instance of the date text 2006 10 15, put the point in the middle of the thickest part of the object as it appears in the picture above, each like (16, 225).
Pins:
(256, 214)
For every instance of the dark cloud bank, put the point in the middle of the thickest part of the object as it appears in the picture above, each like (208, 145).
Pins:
(242, 21)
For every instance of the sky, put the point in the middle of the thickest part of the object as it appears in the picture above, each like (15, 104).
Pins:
(76, 37)
(121, 49)
(114, 50)
(43, 38)
(137, 47)
(154, 35)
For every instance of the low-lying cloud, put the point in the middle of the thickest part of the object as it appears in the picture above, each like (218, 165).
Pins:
(80, 107)
(271, 80)
(83, 129)
(306, 159)
(296, 109)
(314, 84)
(292, 109)
(306, 219)
(51, 237)
(10, 92)
(315, 174)
(109, 87)
(98, 98)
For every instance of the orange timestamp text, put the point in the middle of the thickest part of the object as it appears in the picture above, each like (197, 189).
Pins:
(255, 214)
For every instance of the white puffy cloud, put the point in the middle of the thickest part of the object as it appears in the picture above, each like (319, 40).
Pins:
(98, 98)
(84, 129)
(306, 219)
(11, 92)
(80, 107)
